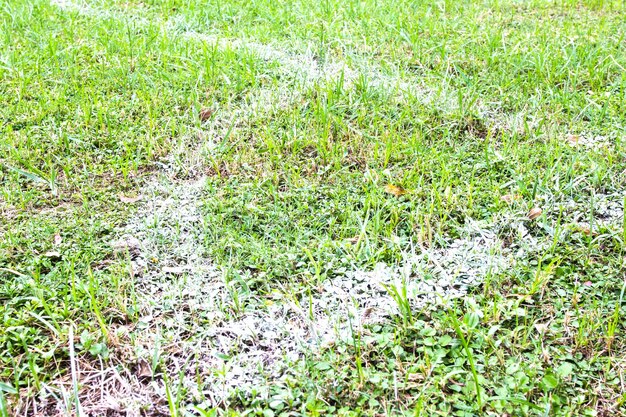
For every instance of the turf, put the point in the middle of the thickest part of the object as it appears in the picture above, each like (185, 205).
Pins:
(478, 113)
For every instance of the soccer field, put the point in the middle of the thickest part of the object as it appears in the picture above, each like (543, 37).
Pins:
(281, 208)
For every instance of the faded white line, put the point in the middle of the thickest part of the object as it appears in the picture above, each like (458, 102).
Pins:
(303, 66)
(238, 340)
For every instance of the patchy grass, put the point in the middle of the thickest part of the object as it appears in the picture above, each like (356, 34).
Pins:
(254, 274)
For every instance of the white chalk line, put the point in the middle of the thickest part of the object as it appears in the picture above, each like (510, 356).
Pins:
(278, 330)
(302, 67)
(267, 339)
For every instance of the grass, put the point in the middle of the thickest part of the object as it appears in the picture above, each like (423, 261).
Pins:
(479, 111)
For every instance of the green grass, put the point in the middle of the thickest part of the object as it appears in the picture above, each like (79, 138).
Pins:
(93, 104)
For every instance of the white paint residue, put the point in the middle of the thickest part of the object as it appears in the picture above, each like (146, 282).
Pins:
(302, 67)
(232, 338)
(427, 279)
(240, 340)
(601, 210)
(590, 141)
(85, 9)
